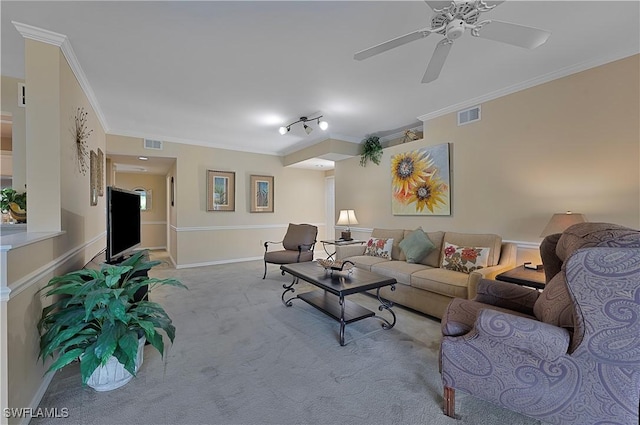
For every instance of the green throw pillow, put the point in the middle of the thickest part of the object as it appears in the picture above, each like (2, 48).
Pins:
(416, 246)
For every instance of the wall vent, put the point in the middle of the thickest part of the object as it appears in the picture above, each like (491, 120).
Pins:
(153, 144)
(22, 95)
(470, 115)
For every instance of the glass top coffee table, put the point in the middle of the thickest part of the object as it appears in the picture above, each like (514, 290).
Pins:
(333, 286)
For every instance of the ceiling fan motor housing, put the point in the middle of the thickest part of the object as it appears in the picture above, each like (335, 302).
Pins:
(455, 29)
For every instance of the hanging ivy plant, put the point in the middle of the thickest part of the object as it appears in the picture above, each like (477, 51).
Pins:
(371, 151)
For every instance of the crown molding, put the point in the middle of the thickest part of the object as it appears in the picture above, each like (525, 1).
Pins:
(61, 40)
(564, 72)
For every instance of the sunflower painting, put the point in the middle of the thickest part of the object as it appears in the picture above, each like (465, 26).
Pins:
(420, 182)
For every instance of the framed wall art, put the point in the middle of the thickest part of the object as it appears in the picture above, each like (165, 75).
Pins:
(221, 190)
(93, 178)
(261, 194)
(420, 182)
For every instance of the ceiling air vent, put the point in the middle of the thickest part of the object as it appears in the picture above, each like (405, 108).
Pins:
(153, 144)
(469, 115)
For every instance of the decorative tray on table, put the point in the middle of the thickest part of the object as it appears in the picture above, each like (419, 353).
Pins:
(338, 265)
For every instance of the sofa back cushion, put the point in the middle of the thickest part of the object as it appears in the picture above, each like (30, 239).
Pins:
(491, 241)
(397, 235)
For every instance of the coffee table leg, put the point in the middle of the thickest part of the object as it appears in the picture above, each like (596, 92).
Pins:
(289, 288)
(386, 305)
(342, 323)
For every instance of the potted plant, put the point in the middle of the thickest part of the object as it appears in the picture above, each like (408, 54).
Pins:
(371, 150)
(14, 203)
(97, 319)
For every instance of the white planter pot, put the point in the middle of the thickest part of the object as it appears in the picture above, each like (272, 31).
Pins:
(113, 375)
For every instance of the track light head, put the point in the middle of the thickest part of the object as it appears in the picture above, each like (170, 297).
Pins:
(284, 130)
(323, 124)
(307, 129)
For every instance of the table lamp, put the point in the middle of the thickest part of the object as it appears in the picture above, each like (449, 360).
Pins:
(347, 218)
(559, 222)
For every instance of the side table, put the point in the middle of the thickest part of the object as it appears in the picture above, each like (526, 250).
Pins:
(525, 277)
(339, 242)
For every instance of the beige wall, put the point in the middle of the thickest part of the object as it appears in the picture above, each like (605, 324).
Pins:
(210, 237)
(83, 226)
(154, 220)
(570, 144)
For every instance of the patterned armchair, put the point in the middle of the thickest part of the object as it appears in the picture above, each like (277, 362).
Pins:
(298, 244)
(568, 355)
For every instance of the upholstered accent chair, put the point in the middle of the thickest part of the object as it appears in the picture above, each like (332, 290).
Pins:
(298, 244)
(567, 355)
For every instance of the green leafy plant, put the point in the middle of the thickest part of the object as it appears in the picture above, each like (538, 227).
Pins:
(96, 316)
(371, 151)
(8, 195)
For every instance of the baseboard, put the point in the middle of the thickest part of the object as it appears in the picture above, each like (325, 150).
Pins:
(214, 263)
(37, 397)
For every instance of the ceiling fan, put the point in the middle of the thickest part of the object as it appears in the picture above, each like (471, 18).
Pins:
(451, 19)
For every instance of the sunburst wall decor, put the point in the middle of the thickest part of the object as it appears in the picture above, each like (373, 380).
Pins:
(82, 133)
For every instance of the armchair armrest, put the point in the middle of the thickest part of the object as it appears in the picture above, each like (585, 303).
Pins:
(266, 244)
(508, 252)
(536, 338)
(506, 295)
(345, 251)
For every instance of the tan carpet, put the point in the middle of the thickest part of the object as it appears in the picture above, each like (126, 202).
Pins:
(242, 357)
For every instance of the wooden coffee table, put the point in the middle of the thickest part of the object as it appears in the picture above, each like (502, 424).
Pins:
(334, 286)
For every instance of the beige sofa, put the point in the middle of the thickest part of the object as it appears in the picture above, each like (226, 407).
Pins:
(425, 286)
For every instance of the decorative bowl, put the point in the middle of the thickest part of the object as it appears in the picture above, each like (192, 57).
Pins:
(335, 264)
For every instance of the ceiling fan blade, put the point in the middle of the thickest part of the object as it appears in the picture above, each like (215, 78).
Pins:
(437, 61)
(518, 35)
(388, 45)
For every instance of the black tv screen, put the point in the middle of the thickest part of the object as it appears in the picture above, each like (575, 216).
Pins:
(123, 222)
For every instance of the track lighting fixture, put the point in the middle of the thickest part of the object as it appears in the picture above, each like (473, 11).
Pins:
(323, 125)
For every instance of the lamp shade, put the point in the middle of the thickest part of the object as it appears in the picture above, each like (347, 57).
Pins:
(347, 218)
(559, 222)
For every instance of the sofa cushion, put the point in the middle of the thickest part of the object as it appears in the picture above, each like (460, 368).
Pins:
(379, 248)
(396, 235)
(441, 281)
(433, 258)
(493, 242)
(366, 261)
(399, 270)
(416, 245)
(464, 259)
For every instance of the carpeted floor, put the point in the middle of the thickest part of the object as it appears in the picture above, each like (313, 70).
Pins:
(242, 357)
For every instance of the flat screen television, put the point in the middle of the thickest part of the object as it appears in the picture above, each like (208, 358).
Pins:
(123, 223)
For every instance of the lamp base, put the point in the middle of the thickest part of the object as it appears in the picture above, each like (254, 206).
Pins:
(346, 236)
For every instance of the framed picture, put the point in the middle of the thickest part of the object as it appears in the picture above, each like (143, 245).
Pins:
(93, 178)
(261, 194)
(221, 190)
(421, 181)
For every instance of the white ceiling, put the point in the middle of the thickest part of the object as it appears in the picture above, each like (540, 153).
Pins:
(229, 74)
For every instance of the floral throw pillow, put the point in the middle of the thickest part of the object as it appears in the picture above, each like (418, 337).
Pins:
(379, 248)
(463, 258)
